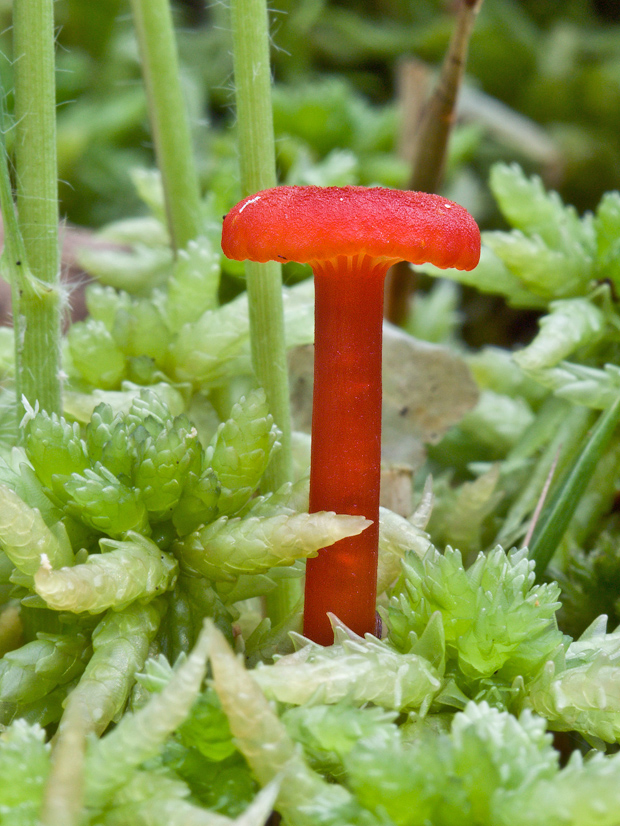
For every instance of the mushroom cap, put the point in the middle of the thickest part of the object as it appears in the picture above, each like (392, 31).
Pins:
(311, 224)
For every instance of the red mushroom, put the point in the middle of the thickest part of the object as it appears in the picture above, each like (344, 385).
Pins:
(350, 236)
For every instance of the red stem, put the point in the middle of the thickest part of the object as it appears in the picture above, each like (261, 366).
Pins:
(346, 441)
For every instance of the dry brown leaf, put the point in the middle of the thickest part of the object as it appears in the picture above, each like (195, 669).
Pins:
(427, 388)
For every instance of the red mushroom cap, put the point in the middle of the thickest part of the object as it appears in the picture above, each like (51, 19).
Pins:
(310, 224)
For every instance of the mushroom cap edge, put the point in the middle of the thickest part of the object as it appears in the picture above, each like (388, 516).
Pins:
(309, 224)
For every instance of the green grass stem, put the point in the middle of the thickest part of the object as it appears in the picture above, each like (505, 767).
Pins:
(250, 30)
(169, 119)
(258, 171)
(557, 434)
(558, 514)
(37, 309)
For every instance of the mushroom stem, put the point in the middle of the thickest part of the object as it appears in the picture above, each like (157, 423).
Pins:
(346, 440)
